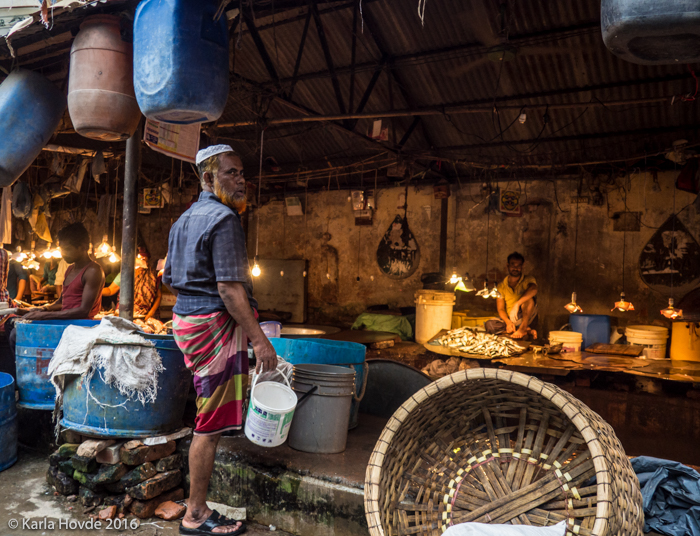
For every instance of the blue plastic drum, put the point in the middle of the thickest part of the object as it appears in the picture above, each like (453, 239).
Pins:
(594, 328)
(31, 108)
(36, 342)
(8, 422)
(98, 409)
(180, 60)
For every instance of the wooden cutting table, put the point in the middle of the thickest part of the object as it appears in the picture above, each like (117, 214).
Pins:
(563, 363)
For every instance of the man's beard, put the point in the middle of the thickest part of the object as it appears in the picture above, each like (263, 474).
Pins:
(230, 200)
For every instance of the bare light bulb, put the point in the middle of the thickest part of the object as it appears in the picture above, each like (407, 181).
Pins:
(522, 118)
(304, 273)
(455, 278)
(113, 257)
(328, 276)
(281, 273)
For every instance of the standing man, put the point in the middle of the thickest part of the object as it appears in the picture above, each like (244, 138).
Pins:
(517, 307)
(214, 317)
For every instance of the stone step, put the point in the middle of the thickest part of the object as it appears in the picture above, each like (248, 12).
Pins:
(301, 493)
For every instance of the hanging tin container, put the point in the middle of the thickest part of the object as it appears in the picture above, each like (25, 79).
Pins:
(652, 32)
(31, 108)
(101, 99)
(180, 60)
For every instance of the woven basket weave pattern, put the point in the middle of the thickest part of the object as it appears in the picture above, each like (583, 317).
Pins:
(497, 446)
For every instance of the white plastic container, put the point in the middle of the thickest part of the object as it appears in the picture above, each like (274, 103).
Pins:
(270, 413)
(570, 340)
(433, 313)
(652, 338)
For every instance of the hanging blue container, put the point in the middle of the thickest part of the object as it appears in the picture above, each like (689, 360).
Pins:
(594, 328)
(36, 342)
(180, 60)
(31, 108)
(325, 352)
(97, 409)
(8, 422)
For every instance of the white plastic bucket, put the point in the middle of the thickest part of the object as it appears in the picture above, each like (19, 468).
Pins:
(433, 313)
(570, 340)
(652, 338)
(270, 412)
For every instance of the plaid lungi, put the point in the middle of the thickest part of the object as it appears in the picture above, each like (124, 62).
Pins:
(216, 351)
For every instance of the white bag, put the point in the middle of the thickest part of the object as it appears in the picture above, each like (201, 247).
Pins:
(484, 529)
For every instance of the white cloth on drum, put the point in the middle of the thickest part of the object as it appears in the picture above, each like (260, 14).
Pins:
(124, 358)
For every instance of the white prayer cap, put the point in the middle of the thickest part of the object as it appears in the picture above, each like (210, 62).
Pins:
(211, 151)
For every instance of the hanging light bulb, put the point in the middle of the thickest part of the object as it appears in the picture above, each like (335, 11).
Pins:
(484, 292)
(494, 292)
(19, 255)
(281, 273)
(304, 273)
(103, 249)
(328, 276)
(573, 307)
(671, 312)
(113, 257)
(455, 278)
(256, 268)
(468, 283)
(622, 305)
(56, 253)
(48, 252)
(522, 118)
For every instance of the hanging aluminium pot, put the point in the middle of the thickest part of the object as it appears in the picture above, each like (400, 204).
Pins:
(101, 99)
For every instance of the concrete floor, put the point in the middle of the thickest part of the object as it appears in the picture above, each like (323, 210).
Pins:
(25, 495)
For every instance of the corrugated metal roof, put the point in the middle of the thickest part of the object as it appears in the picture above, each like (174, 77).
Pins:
(560, 59)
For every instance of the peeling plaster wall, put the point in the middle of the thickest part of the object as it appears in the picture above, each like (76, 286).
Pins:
(544, 234)
(351, 250)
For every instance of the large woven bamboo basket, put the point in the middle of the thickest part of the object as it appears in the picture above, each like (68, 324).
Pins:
(496, 446)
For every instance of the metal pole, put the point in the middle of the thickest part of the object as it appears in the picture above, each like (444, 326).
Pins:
(443, 236)
(131, 173)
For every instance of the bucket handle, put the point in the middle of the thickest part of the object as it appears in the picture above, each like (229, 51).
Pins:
(364, 384)
(255, 381)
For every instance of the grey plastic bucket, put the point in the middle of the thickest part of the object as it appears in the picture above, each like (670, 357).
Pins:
(321, 420)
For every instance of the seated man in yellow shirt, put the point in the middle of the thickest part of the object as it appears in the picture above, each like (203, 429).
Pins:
(517, 307)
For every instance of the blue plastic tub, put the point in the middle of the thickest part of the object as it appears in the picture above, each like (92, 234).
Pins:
(8, 422)
(325, 352)
(30, 109)
(594, 328)
(36, 342)
(180, 60)
(115, 416)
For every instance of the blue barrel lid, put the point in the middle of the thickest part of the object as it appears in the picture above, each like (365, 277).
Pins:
(320, 351)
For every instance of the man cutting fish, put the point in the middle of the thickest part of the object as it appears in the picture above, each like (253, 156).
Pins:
(517, 307)
(214, 318)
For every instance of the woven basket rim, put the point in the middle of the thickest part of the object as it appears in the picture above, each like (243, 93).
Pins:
(374, 467)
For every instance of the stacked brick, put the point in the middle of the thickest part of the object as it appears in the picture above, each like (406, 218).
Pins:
(121, 477)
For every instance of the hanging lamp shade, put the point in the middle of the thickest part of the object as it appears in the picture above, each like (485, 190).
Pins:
(623, 305)
(573, 307)
(484, 292)
(671, 312)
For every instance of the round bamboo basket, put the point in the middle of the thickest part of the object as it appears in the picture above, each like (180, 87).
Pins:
(495, 446)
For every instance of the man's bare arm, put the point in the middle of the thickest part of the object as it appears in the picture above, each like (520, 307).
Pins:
(93, 279)
(236, 300)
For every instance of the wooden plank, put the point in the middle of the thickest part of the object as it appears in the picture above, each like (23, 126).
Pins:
(616, 349)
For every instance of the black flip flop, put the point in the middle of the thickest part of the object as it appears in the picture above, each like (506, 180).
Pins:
(213, 521)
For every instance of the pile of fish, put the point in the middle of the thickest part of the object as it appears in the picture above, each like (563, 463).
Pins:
(152, 326)
(478, 342)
